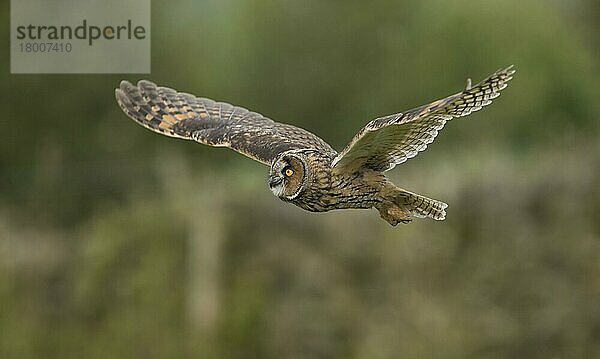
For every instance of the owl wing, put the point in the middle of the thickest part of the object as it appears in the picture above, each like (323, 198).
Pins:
(218, 124)
(388, 141)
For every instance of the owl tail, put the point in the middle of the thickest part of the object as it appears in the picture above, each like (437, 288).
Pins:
(401, 205)
(421, 206)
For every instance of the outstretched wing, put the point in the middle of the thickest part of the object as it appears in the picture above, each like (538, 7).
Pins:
(219, 124)
(388, 141)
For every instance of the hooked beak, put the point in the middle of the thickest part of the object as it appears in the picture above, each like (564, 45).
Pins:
(275, 181)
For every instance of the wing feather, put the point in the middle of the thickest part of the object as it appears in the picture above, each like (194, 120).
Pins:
(391, 140)
(219, 124)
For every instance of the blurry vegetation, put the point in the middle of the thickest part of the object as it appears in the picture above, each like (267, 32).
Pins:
(118, 243)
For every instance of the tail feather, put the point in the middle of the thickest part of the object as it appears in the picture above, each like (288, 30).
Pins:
(421, 206)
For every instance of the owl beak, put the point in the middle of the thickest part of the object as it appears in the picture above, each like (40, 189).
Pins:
(275, 181)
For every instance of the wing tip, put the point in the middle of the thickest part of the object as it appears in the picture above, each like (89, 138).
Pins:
(146, 85)
(124, 84)
(121, 96)
(508, 72)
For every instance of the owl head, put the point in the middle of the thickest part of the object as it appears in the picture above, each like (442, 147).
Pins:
(288, 175)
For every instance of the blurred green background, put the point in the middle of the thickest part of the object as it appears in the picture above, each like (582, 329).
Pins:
(119, 243)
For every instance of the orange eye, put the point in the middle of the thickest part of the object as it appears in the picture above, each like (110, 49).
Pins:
(289, 172)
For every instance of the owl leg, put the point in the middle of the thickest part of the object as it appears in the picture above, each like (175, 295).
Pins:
(393, 213)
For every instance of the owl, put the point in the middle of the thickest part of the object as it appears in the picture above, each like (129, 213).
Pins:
(304, 169)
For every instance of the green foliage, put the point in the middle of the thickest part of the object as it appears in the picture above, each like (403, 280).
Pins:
(118, 243)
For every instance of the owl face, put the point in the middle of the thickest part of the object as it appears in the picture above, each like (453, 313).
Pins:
(287, 176)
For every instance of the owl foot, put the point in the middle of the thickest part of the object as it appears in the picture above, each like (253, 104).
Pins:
(394, 214)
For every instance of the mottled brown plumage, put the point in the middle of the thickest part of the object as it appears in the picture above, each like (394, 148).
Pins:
(305, 170)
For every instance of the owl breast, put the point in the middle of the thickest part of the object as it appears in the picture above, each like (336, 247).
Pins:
(327, 190)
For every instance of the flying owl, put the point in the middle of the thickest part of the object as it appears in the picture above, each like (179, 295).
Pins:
(304, 169)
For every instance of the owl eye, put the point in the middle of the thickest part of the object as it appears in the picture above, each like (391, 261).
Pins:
(289, 172)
